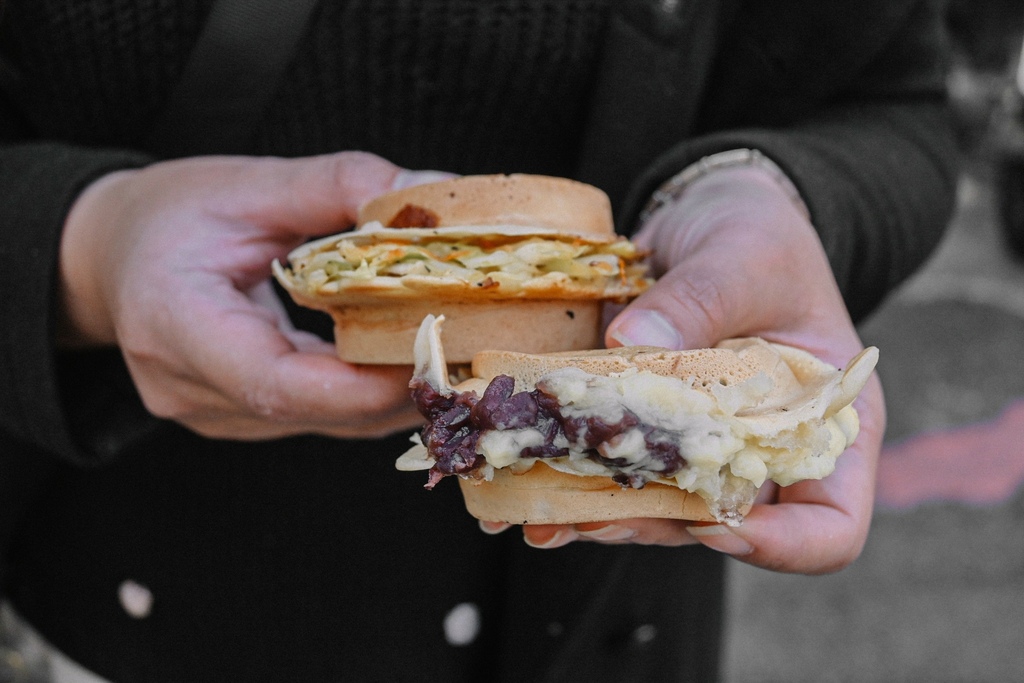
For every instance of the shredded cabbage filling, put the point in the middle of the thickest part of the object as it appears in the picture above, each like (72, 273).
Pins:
(505, 262)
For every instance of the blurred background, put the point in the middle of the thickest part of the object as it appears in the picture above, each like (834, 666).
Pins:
(938, 594)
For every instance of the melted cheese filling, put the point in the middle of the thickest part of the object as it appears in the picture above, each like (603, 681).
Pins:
(728, 457)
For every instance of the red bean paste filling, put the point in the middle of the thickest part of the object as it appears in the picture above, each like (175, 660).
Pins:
(456, 422)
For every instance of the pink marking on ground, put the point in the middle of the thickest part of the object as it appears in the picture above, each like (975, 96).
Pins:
(979, 464)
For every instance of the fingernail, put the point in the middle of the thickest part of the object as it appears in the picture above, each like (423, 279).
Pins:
(560, 538)
(721, 538)
(406, 178)
(612, 532)
(646, 328)
(493, 528)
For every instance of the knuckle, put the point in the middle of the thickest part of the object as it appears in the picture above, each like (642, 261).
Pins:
(263, 401)
(361, 174)
(160, 391)
(702, 302)
(163, 407)
(167, 404)
(836, 555)
(350, 168)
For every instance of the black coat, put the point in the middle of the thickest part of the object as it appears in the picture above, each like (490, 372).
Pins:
(311, 559)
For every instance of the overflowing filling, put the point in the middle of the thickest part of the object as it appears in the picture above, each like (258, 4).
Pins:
(517, 428)
(635, 427)
(509, 263)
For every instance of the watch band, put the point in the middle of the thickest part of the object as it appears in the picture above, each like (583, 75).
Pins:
(675, 186)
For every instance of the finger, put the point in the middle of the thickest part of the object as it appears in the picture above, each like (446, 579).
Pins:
(314, 195)
(232, 426)
(169, 394)
(693, 305)
(238, 347)
(814, 527)
(738, 283)
(667, 532)
(549, 536)
(790, 537)
(317, 195)
(725, 259)
(604, 532)
(291, 201)
(408, 178)
(263, 295)
(493, 528)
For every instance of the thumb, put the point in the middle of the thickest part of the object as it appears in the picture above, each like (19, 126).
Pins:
(694, 305)
(407, 178)
(322, 194)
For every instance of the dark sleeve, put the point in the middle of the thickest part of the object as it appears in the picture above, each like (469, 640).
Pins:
(857, 118)
(38, 184)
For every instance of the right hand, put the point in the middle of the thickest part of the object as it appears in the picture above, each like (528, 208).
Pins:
(172, 264)
(735, 257)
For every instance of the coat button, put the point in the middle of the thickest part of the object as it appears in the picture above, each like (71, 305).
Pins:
(644, 634)
(462, 624)
(136, 599)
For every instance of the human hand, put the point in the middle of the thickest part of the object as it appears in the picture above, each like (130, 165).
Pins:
(172, 264)
(737, 258)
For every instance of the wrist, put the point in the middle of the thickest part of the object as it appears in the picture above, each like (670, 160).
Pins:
(83, 318)
(714, 165)
(729, 204)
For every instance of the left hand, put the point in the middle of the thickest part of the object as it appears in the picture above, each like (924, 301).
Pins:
(171, 263)
(735, 257)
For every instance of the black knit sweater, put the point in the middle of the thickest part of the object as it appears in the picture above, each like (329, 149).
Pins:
(310, 559)
(507, 81)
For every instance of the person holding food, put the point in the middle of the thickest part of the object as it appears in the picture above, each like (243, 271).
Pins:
(200, 489)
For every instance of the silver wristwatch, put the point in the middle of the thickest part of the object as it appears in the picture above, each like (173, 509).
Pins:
(674, 187)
